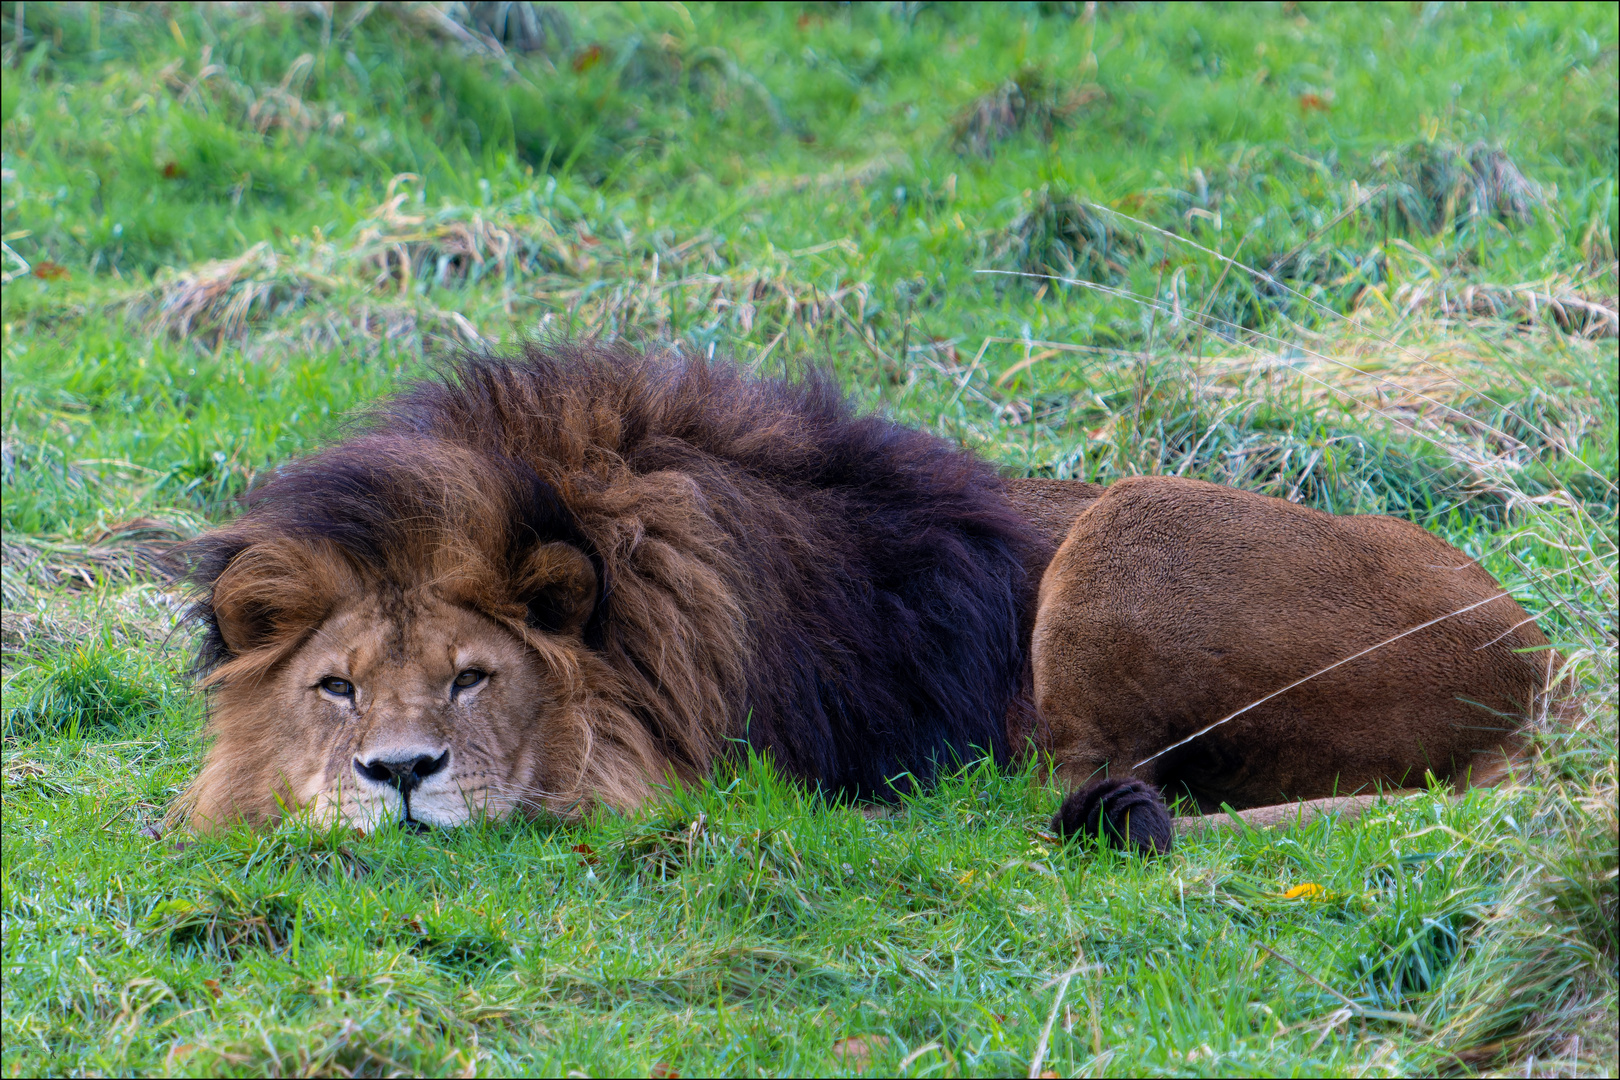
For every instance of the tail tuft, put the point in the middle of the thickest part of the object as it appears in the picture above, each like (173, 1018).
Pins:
(1127, 811)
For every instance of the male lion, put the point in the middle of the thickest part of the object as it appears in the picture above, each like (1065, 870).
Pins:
(567, 579)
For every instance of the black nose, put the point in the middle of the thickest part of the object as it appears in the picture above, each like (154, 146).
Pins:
(404, 773)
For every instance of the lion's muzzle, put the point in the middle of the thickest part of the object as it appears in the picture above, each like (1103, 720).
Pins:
(402, 772)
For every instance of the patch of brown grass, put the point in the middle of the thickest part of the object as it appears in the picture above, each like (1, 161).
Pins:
(380, 284)
(1525, 303)
(217, 300)
(134, 550)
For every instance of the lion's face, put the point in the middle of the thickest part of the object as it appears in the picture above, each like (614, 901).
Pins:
(404, 708)
(368, 702)
(418, 714)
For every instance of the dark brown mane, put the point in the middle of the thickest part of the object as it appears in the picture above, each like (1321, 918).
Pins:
(843, 593)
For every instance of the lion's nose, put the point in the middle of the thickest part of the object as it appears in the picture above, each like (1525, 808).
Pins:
(404, 771)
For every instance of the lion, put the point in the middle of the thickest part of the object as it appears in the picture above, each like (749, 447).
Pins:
(576, 577)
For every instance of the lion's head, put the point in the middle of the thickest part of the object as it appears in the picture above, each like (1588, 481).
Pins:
(397, 631)
(374, 702)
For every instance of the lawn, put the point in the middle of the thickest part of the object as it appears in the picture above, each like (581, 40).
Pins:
(1361, 257)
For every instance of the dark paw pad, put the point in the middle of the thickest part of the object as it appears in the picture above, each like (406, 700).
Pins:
(1126, 811)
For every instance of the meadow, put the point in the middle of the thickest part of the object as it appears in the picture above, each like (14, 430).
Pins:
(1361, 257)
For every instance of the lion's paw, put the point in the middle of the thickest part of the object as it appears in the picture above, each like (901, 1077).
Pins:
(1128, 812)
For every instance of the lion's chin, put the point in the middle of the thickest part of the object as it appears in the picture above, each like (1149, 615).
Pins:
(441, 810)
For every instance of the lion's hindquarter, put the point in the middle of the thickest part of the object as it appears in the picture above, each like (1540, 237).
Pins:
(1174, 603)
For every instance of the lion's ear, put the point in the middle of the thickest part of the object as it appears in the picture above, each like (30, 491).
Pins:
(557, 583)
(271, 595)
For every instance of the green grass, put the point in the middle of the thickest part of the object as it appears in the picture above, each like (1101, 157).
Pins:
(213, 259)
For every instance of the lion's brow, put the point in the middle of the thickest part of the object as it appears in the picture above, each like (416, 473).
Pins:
(327, 635)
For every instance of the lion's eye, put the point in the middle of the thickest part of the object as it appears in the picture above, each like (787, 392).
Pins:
(340, 687)
(470, 677)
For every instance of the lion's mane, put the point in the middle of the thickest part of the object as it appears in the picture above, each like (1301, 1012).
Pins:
(844, 594)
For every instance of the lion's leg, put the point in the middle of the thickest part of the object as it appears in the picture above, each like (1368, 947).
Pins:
(1091, 755)
(1092, 761)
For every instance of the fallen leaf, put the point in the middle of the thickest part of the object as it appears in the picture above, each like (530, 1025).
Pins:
(586, 855)
(1312, 103)
(46, 270)
(587, 58)
(173, 171)
(856, 1052)
(660, 1071)
(1308, 891)
(213, 986)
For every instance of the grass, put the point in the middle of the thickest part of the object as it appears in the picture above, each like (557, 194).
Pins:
(228, 229)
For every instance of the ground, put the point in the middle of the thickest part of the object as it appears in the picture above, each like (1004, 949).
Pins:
(1360, 257)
